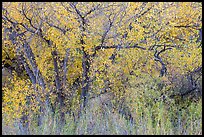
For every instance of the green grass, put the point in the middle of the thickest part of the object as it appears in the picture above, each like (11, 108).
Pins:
(98, 119)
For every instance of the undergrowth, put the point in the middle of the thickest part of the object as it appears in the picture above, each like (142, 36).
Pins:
(158, 119)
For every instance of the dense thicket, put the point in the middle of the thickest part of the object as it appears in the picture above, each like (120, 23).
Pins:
(61, 55)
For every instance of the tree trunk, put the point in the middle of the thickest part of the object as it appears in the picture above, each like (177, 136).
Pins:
(23, 125)
(58, 84)
(29, 54)
(28, 70)
(34, 73)
(65, 69)
(85, 79)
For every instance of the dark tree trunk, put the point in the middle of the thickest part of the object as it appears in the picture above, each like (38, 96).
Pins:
(57, 77)
(28, 70)
(34, 75)
(65, 69)
(85, 79)
(29, 54)
(23, 125)
(58, 84)
(39, 79)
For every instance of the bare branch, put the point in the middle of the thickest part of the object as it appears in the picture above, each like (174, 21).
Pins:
(93, 9)
(77, 11)
(187, 26)
(66, 8)
(119, 46)
(57, 27)
(106, 32)
(158, 58)
(30, 20)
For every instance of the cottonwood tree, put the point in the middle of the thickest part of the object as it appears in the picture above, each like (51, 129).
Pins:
(99, 47)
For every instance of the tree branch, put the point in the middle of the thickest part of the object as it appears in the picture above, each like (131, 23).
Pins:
(93, 9)
(158, 58)
(119, 46)
(30, 21)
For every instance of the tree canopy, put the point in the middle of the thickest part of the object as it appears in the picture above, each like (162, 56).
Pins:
(66, 52)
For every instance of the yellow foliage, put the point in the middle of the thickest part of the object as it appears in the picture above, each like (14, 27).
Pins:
(88, 25)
